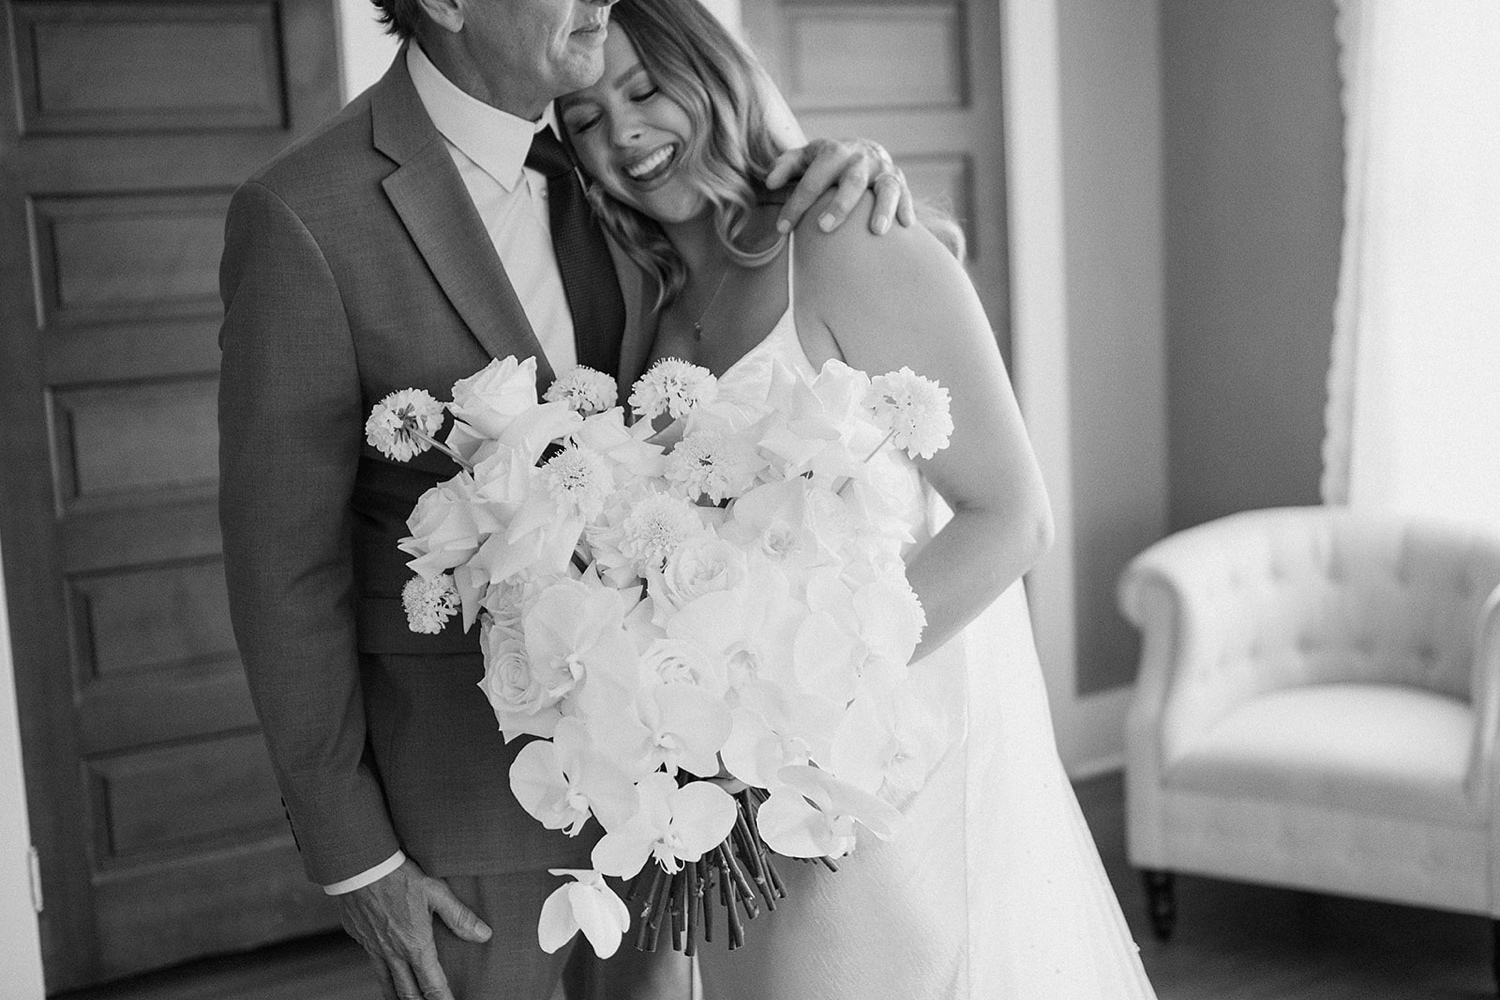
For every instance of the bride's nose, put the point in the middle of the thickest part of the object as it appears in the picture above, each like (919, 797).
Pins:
(628, 132)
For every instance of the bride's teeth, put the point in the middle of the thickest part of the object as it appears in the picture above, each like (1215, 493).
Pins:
(641, 168)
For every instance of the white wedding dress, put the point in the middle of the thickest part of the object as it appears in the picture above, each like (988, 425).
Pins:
(994, 889)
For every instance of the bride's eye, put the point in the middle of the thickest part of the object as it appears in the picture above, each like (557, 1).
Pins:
(641, 97)
(580, 124)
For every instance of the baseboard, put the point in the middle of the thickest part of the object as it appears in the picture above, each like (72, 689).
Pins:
(1099, 766)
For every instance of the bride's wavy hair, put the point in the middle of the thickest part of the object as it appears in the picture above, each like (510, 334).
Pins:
(693, 60)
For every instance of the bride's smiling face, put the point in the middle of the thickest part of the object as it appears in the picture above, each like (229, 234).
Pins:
(630, 137)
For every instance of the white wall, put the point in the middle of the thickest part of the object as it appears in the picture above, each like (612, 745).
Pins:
(365, 50)
(1253, 150)
(1083, 125)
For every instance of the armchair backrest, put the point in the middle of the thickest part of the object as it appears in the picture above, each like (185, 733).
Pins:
(1325, 594)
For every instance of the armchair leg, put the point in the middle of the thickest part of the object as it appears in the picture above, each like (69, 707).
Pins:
(1161, 903)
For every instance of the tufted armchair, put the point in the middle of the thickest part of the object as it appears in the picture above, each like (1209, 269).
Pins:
(1318, 707)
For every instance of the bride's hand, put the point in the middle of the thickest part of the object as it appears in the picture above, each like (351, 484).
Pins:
(851, 165)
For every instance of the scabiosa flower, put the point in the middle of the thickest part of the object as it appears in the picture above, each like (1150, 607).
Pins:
(656, 525)
(429, 603)
(913, 409)
(584, 389)
(402, 424)
(707, 463)
(674, 387)
(580, 480)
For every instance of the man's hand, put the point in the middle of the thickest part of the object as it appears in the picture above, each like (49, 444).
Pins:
(391, 918)
(852, 165)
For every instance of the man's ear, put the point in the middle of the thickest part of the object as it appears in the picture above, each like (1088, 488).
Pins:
(447, 15)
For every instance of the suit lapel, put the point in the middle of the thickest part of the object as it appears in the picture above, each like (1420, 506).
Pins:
(640, 320)
(430, 197)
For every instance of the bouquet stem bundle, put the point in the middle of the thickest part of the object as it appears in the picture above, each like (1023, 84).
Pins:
(739, 872)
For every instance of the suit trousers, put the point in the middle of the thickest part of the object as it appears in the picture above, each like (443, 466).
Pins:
(511, 965)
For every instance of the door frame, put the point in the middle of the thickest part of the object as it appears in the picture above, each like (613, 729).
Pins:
(21, 961)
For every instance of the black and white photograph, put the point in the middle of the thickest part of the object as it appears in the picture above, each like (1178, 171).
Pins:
(749, 500)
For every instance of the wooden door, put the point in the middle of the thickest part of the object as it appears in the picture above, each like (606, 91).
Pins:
(922, 77)
(126, 126)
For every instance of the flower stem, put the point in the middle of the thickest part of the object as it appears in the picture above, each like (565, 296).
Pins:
(883, 442)
(433, 442)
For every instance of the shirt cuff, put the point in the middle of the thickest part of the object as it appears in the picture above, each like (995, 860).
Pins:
(367, 876)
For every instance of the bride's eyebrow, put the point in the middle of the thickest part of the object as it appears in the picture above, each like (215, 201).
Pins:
(628, 75)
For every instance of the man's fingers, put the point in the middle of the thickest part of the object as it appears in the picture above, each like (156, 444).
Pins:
(461, 920)
(906, 211)
(852, 187)
(385, 975)
(787, 165)
(888, 195)
(431, 983)
(817, 179)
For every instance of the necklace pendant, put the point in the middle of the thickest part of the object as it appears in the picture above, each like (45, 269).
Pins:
(697, 331)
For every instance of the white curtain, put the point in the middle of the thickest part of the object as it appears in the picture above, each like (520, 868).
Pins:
(1413, 419)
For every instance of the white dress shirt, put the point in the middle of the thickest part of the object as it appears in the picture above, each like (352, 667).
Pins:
(489, 149)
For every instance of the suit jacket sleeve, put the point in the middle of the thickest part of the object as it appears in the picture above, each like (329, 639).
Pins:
(291, 418)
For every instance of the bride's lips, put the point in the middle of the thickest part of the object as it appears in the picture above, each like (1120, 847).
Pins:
(645, 171)
(593, 31)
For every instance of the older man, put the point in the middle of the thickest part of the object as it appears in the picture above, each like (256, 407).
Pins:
(406, 242)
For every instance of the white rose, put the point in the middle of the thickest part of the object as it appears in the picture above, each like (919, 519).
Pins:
(701, 566)
(448, 525)
(524, 698)
(495, 395)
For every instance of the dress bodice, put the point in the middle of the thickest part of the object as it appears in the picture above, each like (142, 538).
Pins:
(751, 379)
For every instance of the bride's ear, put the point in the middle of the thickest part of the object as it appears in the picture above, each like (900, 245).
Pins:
(445, 14)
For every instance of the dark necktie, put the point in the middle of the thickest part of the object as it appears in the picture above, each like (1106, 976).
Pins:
(588, 270)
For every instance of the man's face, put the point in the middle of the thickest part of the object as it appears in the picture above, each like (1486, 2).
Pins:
(532, 51)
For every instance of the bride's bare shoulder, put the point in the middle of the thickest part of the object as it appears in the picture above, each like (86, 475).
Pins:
(853, 269)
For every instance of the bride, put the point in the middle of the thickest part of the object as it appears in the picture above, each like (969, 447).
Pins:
(994, 888)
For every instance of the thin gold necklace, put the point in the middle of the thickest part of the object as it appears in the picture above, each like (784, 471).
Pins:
(698, 324)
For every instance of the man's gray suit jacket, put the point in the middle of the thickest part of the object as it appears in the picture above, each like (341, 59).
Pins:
(355, 264)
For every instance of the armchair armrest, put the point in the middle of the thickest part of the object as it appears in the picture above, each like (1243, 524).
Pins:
(1196, 598)
(1484, 772)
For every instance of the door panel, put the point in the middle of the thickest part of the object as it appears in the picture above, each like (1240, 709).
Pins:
(922, 77)
(160, 832)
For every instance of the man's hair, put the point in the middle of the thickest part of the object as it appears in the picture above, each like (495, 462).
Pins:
(401, 18)
(696, 63)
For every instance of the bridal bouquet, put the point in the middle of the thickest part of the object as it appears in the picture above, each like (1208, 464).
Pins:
(706, 630)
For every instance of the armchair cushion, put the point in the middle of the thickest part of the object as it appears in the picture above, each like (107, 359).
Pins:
(1382, 749)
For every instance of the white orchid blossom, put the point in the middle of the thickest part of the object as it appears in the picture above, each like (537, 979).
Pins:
(587, 904)
(673, 825)
(813, 814)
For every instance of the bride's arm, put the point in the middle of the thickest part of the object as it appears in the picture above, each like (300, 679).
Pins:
(903, 299)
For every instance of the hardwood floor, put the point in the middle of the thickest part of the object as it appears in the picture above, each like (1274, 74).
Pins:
(1233, 942)
(1242, 942)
